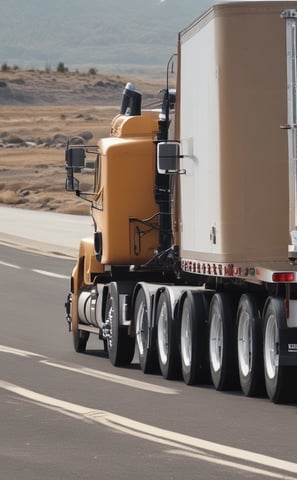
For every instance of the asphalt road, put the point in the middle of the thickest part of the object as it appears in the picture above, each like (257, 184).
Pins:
(67, 416)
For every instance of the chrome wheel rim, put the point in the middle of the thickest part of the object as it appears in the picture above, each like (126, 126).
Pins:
(163, 334)
(109, 323)
(245, 343)
(271, 350)
(186, 338)
(216, 340)
(141, 329)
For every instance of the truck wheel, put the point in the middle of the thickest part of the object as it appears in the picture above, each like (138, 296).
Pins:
(80, 339)
(250, 346)
(167, 345)
(280, 380)
(145, 343)
(120, 345)
(222, 344)
(193, 339)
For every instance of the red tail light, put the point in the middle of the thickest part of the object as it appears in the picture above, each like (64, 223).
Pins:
(283, 277)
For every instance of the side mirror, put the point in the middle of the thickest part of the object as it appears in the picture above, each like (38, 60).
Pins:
(167, 157)
(75, 161)
(75, 158)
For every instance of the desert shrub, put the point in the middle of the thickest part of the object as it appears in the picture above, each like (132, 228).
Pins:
(61, 68)
(9, 197)
(92, 71)
(5, 67)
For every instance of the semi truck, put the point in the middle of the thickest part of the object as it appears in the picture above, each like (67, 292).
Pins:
(192, 268)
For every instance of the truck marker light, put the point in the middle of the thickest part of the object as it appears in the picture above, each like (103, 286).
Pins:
(283, 277)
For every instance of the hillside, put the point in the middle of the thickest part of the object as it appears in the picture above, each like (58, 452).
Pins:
(39, 87)
(40, 108)
(39, 111)
(113, 36)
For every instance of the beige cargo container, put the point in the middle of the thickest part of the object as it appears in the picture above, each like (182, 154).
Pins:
(232, 76)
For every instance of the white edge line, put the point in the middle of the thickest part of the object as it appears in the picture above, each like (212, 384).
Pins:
(11, 265)
(40, 272)
(110, 377)
(198, 443)
(228, 463)
(50, 274)
(17, 351)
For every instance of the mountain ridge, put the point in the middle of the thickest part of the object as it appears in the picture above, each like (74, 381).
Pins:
(111, 36)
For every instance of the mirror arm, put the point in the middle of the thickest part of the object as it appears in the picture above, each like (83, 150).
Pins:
(83, 196)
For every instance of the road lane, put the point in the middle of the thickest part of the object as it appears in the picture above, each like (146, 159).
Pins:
(181, 444)
(44, 231)
(50, 445)
(16, 258)
(32, 319)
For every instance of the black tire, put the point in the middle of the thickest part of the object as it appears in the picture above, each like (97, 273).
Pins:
(167, 339)
(144, 338)
(120, 345)
(193, 338)
(280, 381)
(222, 342)
(250, 345)
(80, 339)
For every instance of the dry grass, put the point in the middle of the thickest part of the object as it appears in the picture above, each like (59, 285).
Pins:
(46, 121)
(9, 197)
(34, 178)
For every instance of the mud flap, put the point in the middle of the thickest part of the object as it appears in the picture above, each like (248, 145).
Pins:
(288, 347)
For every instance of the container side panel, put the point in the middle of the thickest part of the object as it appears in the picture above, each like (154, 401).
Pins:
(200, 186)
(234, 195)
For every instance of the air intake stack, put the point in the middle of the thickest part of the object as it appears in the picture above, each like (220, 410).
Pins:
(131, 101)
